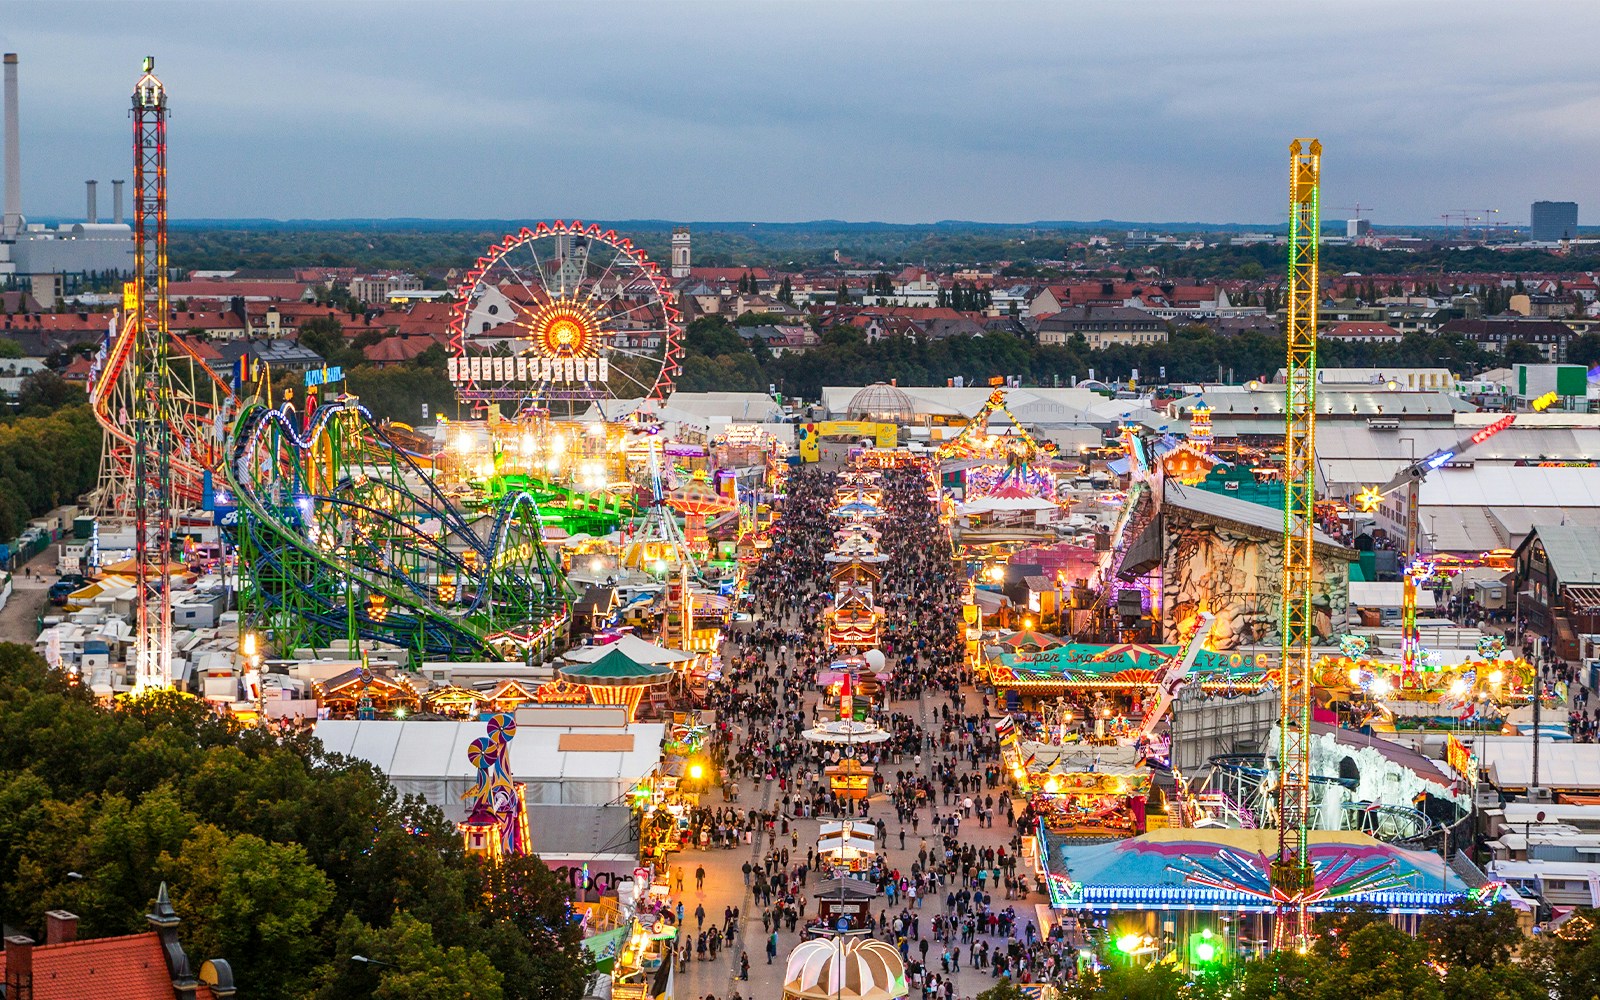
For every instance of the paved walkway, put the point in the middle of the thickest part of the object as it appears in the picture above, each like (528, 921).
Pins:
(29, 598)
(724, 887)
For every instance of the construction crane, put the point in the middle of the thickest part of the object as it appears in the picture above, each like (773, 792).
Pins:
(146, 298)
(1291, 872)
(1411, 478)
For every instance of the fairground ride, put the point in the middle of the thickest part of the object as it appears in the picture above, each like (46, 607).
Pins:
(348, 537)
(1292, 877)
(1414, 569)
(563, 314)
(147, 386)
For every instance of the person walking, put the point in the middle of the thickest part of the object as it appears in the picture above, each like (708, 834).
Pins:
(700, 877)
(772, 947)
(700, 916)
(744, 965)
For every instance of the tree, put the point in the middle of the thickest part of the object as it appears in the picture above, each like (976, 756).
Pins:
(45, 392)
(408, 963)
(10, 348)
(1520, 352)
(526, 898)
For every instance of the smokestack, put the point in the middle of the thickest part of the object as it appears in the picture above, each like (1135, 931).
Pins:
(92, 215)
(116, 202)
(12, 222)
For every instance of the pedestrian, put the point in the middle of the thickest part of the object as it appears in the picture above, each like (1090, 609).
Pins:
(700, 915)
(700, 878)
(772, 947)
(744, 965)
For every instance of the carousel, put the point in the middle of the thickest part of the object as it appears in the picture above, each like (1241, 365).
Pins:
(845, 967)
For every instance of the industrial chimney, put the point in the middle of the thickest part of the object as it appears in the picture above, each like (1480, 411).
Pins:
(92, 213)
(116, 202)
(11, 224)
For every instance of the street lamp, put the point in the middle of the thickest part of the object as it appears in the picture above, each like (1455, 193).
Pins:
(364, 960)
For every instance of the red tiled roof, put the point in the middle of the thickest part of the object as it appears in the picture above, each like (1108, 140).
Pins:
(732, 274)
(391, 350)
(1362, 330)
(130, 967)
(56, 322)
(78, 370)
(289, 290)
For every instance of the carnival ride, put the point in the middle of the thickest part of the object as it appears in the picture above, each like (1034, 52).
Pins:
(347, 537)
(1238, 792)
(1292, 876)
(563, 312)
(150, 392)
(1097, 784)
(1415, 569)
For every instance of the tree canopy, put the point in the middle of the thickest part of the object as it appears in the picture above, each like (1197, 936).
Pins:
(281, 858)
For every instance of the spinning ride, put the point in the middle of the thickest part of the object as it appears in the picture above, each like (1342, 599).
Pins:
(349, 538)
(564, 312)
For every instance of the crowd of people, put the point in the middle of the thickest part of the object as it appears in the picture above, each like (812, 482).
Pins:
(950, 893)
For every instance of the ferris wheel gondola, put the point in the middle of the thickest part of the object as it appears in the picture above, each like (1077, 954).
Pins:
(564, 312)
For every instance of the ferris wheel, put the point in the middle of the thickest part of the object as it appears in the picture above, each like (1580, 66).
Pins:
(564, 311)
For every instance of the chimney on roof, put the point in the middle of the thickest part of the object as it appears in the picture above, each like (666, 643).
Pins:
(60, 927)
(19, 955)
(116, 202)
(92, 211)
(11, 223)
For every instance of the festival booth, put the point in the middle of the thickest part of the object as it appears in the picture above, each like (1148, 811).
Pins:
(617, 679)
(845, 898)
(853, 620)
(847, 845)
(1082, 791)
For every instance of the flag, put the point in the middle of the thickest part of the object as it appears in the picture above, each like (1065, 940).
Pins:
(1004, 724)
(1029, 762)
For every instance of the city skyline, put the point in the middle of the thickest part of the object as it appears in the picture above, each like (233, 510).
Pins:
(894, 112)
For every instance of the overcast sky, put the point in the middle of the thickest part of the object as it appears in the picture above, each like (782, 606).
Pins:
(894, 111)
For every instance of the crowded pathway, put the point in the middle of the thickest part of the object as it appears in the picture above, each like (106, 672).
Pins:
(952, 897)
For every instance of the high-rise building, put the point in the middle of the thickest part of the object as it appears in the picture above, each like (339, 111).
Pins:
(1357, 228)
(680, 252)
(1553, 220)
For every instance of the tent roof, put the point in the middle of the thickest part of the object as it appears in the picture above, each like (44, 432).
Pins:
(614, 667)
(630, 646)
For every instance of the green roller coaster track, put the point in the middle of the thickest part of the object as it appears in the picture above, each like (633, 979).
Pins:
(342, 536)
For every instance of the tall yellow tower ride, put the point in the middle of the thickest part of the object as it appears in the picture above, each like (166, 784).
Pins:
(1292, 874)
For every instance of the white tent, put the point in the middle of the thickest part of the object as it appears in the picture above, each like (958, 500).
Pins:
(631, 646)
(430, 758)
(1001, 505)
(846, 841)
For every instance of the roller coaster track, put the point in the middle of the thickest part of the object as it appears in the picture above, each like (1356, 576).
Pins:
(1390, 823)
(198, 407)
(343, 535)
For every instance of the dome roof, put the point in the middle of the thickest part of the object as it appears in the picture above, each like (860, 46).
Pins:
(882, 403)
(845, 968)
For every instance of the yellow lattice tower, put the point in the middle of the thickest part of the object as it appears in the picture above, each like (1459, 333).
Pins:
(1291, 870)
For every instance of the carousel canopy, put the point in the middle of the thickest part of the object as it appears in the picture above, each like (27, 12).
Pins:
(1005, 505)
(844, 968)
(846, 844)
(846, 731)
(1029, 639)
(616, 667)
(633, 647)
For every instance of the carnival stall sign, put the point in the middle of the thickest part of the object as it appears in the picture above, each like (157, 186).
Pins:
(1475, 692)
(497, 823)
(1128, 669)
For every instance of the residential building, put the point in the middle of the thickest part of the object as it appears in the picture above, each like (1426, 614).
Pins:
(1494, 333)
(1363, 333)
(375, 289)
(150, 965)
(1102, 327)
